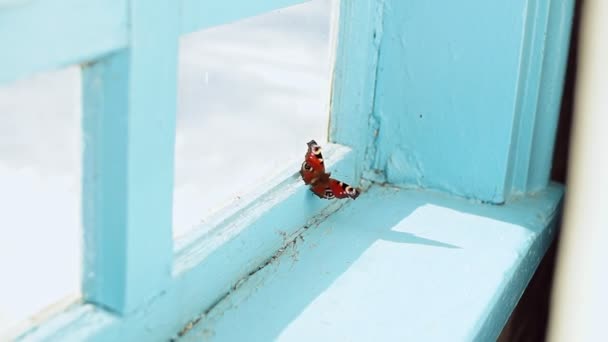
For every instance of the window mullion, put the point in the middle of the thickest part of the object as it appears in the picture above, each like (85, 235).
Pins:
(129, 108)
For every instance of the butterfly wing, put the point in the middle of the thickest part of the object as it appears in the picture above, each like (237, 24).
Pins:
(334, 189)
(342, 190)
(313, 173)
(313, 166)
(322, 190)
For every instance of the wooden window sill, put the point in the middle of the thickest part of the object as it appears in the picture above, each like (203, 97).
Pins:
(393, 265)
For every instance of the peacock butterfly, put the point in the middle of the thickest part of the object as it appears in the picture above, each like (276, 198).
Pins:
(313, 173)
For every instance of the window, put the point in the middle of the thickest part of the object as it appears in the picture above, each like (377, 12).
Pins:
(40, 197)
(279, 101)
(251, 94)
(152, 172)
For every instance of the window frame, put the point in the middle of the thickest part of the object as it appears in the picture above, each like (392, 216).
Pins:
(131, 262)
(170, 285)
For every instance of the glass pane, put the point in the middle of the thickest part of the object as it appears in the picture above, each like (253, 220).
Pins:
(251, 94)
(40, 195)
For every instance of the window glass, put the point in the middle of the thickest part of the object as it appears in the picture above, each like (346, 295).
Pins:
(251, 94)
(40, 155)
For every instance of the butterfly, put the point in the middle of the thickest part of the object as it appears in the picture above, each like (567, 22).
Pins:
(313, 173)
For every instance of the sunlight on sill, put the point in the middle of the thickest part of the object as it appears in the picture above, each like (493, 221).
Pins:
(390, 266)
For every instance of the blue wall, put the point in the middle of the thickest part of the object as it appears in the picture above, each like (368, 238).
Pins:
(453, 78)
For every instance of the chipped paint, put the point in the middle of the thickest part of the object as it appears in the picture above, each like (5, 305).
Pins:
(347, 265)
(290, 246)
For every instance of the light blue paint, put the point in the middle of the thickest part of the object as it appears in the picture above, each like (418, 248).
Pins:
(41, 35)
(446, 93)
(454, 99)
(207, 266)
(398, 265)
(545, 51)
(552, 84)
(456, 95)
(129, 120)
(354, 78)
(537, 15)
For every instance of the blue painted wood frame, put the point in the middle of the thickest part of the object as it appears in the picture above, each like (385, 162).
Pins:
(129, 108)
(40, 35)
(421, 98)
(210, 262)
(463, 103)
(354, 80)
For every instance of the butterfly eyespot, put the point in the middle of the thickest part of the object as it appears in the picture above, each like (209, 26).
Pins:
(306, 166)
(329, 194)
(316, 150)
(350, 190)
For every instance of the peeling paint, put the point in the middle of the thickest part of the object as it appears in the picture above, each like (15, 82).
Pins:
(295, 301)
(403, 166)
(289, 246)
